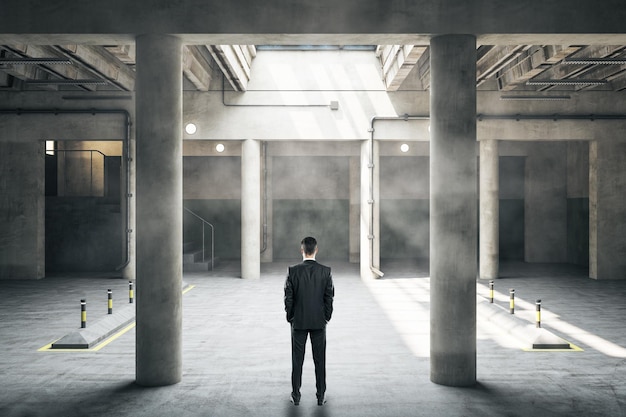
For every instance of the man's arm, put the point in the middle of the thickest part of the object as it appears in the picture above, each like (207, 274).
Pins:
(329, 294)
(289, 298)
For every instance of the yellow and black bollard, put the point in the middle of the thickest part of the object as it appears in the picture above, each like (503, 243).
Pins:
(512, 301)
(110, 297)
(538, 304)
(130, 292)
(491, 292)
(83, 314)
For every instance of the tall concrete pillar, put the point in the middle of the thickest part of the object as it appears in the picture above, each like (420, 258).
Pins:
(370, 211)
(489, 216)
(453, 217)
(607, 182)
(251, 209)
(159, 210)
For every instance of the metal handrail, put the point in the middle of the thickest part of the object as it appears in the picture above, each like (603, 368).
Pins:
(212, 237)
(91, 151)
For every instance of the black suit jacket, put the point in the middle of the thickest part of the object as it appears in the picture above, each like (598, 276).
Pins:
(309, 294)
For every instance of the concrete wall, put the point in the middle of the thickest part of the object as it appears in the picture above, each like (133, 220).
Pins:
(83, 234)
(212, 190)
(22, 208)
(404, 210)
(545, 203)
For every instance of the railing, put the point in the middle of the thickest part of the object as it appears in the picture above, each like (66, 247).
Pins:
(204, 222)
(76, 190)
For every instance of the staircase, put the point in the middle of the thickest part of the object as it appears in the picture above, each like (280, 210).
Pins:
(192, 258)
(199, 256)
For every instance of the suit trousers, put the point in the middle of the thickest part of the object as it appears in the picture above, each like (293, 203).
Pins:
(318, 346)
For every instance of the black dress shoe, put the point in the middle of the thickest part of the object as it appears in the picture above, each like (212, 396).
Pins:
(295, 399)
(321, 400)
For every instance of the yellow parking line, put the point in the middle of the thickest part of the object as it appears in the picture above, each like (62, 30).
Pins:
(48, 347)
(99, 346)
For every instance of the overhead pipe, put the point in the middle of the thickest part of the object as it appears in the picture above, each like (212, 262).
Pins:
(126, 141)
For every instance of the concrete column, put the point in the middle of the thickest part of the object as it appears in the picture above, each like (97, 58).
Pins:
(251, 209)
(159, 210)
(453, 205)
(607, 185)
(489, 210)
(370, 211)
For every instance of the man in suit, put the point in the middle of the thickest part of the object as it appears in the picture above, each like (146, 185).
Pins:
(309, 293)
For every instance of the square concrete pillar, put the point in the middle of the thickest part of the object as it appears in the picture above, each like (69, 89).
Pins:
(607, 209)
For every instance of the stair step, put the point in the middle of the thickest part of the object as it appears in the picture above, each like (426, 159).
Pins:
(193, 256)
(197, 267)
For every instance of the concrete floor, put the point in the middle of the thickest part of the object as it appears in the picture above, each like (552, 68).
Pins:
(237, 349)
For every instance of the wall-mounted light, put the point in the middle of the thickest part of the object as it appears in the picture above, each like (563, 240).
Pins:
(220, 147)
(191, 128)
(404, 148)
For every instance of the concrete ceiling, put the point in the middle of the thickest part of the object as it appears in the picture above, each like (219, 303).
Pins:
(506, 68)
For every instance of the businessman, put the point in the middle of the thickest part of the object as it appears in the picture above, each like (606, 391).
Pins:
(309, 293)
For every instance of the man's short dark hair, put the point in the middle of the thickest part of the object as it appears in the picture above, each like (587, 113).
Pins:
(308, 245)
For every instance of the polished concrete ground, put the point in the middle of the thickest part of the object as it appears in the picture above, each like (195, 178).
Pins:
(237, 351)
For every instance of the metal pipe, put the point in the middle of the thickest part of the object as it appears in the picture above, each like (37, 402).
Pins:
(371, 200)
(264, 246)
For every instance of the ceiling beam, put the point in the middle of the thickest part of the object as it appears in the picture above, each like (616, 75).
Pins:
(44, 72)
(495, 59)
(234, 63)
(103, 63)
(532, 62)
(559, 72)
(397, 62)
(196, 68)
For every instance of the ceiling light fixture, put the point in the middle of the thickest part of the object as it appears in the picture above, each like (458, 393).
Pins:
(67, 82)
(219, 147)
(594, 61)
(35, 61)
(191, 128)
(533, 98)
(404, 148)
(566, 82)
